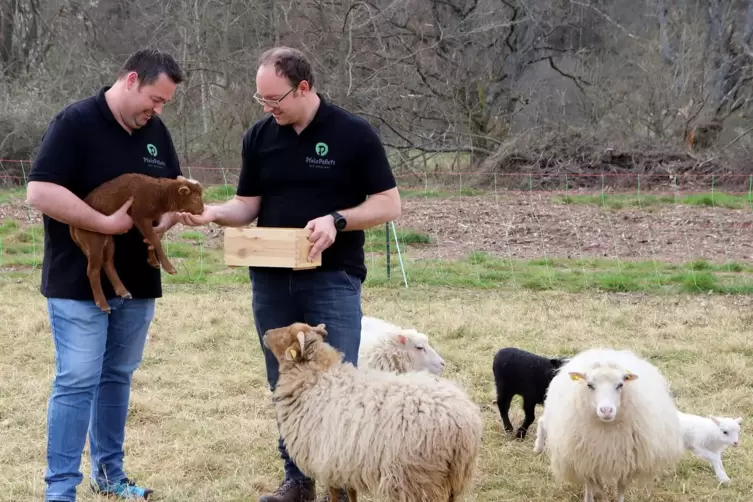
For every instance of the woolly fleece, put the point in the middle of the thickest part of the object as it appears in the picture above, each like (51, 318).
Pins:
(643, 440)
(408, 437)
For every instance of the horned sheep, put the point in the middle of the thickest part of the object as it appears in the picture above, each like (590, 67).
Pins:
(708, 436)
(409, 437)
(609, 417)
(388, 347)
(151, 198)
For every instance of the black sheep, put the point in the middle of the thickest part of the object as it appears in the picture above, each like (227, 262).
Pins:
(517, 371)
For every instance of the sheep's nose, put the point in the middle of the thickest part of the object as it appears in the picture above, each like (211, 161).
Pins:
(442, 363)
(734, 444)
(606, 411)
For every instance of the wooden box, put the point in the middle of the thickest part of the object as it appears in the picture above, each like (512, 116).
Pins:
(268, 247)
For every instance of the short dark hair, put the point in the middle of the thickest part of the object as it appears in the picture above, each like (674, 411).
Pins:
(149, 63)
(290, 63)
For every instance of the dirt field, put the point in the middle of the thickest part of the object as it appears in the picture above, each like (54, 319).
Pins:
(534, 225)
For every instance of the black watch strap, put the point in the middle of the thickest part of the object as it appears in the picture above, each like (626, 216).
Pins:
(339, 220)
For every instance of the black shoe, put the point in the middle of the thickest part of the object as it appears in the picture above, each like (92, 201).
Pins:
(292, 491)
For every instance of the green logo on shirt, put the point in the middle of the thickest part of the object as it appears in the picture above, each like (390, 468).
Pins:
(321, 149)
(153, 149)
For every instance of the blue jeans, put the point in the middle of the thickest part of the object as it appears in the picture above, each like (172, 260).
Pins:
(95, 357)
(332, 297)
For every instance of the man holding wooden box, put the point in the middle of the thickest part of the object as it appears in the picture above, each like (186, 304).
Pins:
(311, 165)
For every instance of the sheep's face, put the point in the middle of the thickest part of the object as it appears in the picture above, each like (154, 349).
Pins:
(604, 386)
(421, 354)
(189, 197)
(289, 343)
(729, 429)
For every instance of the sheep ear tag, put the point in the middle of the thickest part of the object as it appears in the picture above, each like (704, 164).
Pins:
(291, 354)
(630, 376)
(574, 375)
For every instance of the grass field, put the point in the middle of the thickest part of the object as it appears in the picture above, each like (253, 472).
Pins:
(201, 426)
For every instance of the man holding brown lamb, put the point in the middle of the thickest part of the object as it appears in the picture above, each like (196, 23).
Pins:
(89, 142)
(310, 164)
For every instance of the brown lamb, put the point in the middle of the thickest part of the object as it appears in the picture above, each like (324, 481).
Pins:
(152, 197)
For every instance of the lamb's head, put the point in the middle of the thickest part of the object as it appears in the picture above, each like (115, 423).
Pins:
(187, 196)
(294, 343)
(729, 429)
(420, 354)
(604, 385)
(556, 363)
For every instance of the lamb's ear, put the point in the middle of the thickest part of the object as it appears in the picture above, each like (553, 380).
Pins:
(291, 354)
(301, 340)
(401, 339)
(556, 362)
(739, 420)
(629, 376)
(577, 375)
(180, 178)
(714, 419)
(321, 328)
(184, 190)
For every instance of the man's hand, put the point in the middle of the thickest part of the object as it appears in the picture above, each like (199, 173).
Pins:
(323, 234)
(164, 224)
(120, 221)
(194, 220)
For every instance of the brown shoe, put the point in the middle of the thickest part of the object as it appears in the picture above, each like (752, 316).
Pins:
(292, 491)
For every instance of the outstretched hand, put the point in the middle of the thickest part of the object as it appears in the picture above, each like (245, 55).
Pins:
(323, 234)
(195, 220)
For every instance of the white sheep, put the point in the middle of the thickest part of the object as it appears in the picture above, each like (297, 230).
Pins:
(409, 437)
(609, 418)
(387, 347)
(708, 437)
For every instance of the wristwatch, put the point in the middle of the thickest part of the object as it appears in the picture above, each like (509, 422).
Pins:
(340, 221)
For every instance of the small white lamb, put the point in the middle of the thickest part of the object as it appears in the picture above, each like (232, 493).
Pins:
(708, 437)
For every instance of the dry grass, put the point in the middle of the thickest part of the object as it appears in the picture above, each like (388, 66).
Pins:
(202, 429)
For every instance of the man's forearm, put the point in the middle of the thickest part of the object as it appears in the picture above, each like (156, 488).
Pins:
(377, 209)
(234, 213)
(61, 204)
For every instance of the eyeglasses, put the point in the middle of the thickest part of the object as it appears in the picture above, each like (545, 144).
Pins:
(273, 104)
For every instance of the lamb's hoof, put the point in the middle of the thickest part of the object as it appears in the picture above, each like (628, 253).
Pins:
(520, 434)
(127, 295)
(724, 479)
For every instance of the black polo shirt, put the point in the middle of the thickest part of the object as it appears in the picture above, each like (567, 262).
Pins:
(336, 161)
(83, 147)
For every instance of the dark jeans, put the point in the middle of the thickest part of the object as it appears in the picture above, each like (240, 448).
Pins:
(332, 297)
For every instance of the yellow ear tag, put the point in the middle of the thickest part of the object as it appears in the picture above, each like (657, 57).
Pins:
(293, 353)
(574, 376)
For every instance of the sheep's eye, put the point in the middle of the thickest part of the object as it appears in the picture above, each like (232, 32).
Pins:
(591, 386)
(619, 386)
(419, 348)
(725, 433)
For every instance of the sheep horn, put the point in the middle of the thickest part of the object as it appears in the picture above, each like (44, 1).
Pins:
(301, 339)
